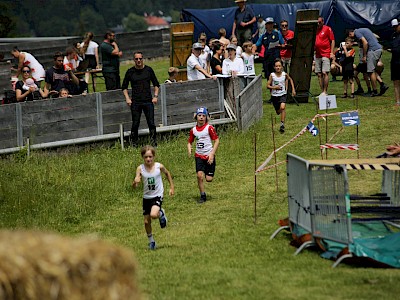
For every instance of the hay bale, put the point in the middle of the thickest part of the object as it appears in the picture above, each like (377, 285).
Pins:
(36, 265)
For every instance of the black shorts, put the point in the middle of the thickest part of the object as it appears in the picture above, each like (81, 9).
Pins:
(394, 71)
(361, 68)
(204, 166)
(149, 203)
(277, 100)
(348, 74)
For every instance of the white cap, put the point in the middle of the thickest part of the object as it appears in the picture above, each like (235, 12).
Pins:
(394, 22)
(269, 20)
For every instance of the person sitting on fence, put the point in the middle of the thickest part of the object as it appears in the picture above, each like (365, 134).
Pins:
(26, 89)
(195, 66)
(172, 73)
(58, 77)
(27, 59)
(89, 51)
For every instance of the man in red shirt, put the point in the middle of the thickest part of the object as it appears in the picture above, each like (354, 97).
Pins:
(324, 52)
(286, 49)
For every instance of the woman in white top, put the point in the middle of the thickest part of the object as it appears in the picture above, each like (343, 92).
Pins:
(205, 53)
(89, 50)
(232, 65)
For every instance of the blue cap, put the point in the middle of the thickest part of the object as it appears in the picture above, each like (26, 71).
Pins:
(202, 110)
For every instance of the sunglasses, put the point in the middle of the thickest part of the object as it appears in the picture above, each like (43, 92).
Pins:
(26, 71)
(283, 25)
(138, 58)
(203, 40)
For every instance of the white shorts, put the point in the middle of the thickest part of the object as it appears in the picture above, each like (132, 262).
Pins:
(322, 64)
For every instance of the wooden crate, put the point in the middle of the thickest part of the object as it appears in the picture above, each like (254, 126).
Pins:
(181, 46)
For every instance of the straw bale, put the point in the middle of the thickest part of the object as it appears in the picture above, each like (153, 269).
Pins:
(36, 265)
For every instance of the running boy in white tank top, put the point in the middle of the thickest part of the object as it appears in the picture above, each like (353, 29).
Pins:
(204, 134)
(153, 191)
(278, 84)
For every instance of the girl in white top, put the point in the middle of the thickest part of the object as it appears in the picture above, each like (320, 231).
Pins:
(89, 50)
(278, 85)
(239, 50)
(232, 65)
(153, 191)
(205, 53)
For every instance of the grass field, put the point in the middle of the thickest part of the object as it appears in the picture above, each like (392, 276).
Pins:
(215, 250)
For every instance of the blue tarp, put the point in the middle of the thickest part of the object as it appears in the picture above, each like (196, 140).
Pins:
(340, 15)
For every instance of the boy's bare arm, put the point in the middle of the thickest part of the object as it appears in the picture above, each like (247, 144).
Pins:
(213, 151)
(189, 147)
(169, 178)
(137, 179)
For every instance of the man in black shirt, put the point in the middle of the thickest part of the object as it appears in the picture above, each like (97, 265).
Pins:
(244, 21)
(140, 77)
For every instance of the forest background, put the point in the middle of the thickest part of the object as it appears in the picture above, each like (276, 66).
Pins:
(41, 18)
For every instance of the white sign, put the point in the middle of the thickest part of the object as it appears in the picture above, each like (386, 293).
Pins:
(327, 102)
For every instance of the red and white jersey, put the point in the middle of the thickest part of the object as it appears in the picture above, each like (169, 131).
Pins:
(204, 135)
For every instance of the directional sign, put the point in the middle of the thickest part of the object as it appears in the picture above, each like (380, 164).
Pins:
(311, 128)
(350, 119)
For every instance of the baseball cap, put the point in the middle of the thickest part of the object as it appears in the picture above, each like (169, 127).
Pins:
(269, 20)
(231, 46)
(202, 110)
(395, 22)
(197, 46)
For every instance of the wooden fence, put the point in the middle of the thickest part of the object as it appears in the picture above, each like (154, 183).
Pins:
(155, 43)
(101, 116)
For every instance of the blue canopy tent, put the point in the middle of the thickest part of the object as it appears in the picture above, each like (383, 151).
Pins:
(338, 14)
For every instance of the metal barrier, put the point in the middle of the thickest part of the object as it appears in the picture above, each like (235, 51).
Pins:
(320, 202)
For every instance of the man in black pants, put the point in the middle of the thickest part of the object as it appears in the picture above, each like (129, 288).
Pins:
(140, 77)
(110, 55)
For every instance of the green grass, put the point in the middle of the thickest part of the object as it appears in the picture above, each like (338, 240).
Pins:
(214, 250)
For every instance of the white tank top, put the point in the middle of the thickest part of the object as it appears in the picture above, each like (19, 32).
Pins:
(281, 81)
(203, 141)
(38, 72)
(152, 182)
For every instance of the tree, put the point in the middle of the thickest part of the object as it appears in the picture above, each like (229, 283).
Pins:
(134, 22)
(6, 23)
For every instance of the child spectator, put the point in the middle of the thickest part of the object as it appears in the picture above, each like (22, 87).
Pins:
(248, 59)
(347, 66)
(232, 65)
(64, 93)
(153, 190)
(172, 73)
(260, 28)
(239, 50)
(204, 134)
(278, 85)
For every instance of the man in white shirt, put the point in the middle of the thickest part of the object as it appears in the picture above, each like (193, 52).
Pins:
(195, 68)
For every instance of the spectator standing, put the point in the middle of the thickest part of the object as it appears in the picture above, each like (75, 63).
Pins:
(195, 68)
(71, 58)
(26, 89)
(89, 51)
(59, 76)
(140, 77)
(271, 41)
(347, 67)
(110, 55)
(243, 23)
(248, 59)
(260, 28)
(172, 74)
(286, 49)
(324, 52)
(216, 60)
(27, 59)
(232, 65)
(205, 53)
(239, 50)
(372, 52)
(395, 61)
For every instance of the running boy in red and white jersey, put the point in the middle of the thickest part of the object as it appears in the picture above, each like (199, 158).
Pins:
(204, 134)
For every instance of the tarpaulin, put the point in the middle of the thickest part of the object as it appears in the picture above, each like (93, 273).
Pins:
(340, 15)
